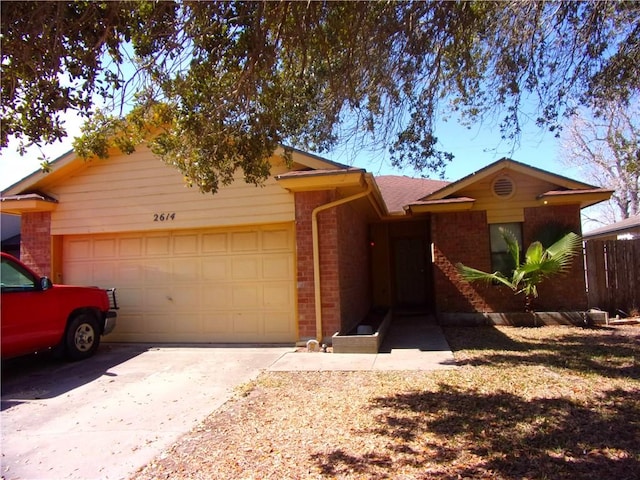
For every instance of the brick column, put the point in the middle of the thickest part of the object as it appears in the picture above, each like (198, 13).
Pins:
(327, 228)
(562, 292)
(35, 241)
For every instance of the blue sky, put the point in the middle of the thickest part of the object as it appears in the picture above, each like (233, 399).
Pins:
(473, 149)
(476, 148)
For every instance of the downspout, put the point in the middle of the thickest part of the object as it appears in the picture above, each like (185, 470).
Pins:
(316, 252)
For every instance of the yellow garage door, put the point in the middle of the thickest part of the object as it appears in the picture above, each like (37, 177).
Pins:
(214, 285)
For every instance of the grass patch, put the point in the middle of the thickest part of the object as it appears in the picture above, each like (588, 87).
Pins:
(536, 403)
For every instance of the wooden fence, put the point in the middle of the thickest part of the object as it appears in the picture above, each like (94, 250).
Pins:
(613, 275)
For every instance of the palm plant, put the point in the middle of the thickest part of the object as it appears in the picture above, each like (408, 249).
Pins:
(538, 264)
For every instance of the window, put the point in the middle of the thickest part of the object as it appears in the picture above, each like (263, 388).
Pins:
(13, 278)
(501, 260)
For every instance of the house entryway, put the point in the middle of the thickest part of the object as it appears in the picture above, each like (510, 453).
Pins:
(410, 272)
(401, 265)
(409, 331)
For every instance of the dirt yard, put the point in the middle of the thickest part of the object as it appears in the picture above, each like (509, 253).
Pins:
(525, 403)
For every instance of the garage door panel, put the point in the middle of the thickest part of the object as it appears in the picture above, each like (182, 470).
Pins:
(246, 324)
(129, 273)
(217, 322)
(157, 271)
(157, 299)
(105, 248)
(129, 299)
(278, 294)
(103, 272)
(157, 246)
(78, 250)
(185, 244)
(79, 275)
(185, 298)
(277, 266)
(130, 324)
(244, 241)
(214, 243)
(216, 297)
(245, 267)
(185, 270)
(189, 322)
(245, 296)
(232, 285)
(130, 247)
(276, 240)
(159, 323)
(277, 322)
(215, 268)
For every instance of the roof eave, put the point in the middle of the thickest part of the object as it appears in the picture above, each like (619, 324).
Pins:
(310, 160)
(19, 204)
(322, 180)
(629, 225)
(440, 206)
(56, 168)
(584, 198)
(376, 196)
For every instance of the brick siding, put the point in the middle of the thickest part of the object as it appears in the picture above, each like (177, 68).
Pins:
(464, 237)
(35, 241)
(305, 204)
(355, 282)
(564, 292)
(344, 265)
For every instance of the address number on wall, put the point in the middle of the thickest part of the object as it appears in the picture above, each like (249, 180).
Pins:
(164, 217)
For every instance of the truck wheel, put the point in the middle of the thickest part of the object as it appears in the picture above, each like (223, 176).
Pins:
(82, 337)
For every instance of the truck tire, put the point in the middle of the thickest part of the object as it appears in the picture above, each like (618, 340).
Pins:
(82, 337)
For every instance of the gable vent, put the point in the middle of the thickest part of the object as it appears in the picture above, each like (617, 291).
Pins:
(503, 187)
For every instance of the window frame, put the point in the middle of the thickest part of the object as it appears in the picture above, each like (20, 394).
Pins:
(30, 286)
(501, 260)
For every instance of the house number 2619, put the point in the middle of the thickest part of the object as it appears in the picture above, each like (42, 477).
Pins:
(164, 217)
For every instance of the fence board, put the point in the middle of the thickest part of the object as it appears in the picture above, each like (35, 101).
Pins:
(613, 275)
(596, 273)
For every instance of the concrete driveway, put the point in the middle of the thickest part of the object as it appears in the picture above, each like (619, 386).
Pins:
(107, 416)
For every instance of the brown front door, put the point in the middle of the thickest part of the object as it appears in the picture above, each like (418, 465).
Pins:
(411, 274)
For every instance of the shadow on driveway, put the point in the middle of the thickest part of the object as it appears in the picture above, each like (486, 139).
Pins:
(45, 375)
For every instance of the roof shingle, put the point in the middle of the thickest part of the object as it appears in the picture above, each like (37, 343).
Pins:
(398, 191)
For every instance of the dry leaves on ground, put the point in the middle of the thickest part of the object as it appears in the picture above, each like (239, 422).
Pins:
(552, 402)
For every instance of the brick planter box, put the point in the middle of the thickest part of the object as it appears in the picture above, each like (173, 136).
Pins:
(521, 319)
(360, 342)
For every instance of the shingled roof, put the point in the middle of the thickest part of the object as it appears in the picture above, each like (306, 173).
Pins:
(628, 225)
(398, 191)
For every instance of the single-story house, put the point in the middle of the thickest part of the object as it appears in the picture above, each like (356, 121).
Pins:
(303, 256)
(627, 229)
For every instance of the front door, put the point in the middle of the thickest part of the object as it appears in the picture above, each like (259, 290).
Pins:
(411, 272)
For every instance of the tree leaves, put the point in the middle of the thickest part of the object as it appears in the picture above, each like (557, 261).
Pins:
(250, 76)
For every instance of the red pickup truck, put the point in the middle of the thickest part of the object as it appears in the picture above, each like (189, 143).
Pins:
(37, 315)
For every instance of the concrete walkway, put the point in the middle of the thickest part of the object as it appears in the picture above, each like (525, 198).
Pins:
(413, 342)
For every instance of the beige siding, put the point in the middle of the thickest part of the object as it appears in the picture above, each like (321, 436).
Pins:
(130, 192)
(501, 210)
(209, 285)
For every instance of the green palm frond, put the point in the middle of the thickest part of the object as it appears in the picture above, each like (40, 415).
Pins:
(513, 247)
(539, 263)
(565, 249)
(535, 254)
(475, 275)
